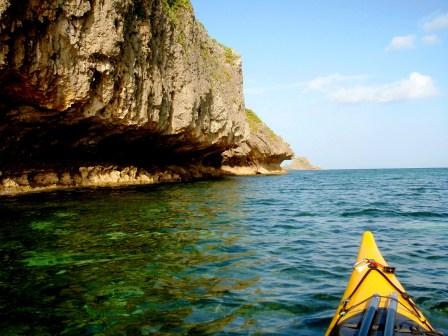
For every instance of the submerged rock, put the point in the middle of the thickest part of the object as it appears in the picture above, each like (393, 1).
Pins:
(114, 82)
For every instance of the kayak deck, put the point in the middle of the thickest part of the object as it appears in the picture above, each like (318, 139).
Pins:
(375, 302)
(380, 322)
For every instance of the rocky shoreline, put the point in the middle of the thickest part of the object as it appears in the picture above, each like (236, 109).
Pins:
(101, 176)
(114, 176)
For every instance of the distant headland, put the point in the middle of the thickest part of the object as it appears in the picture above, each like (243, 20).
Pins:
(301, 163)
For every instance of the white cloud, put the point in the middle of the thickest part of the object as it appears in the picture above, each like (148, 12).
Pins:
(436, 23)
(430, 39)
(259, 91)
(401, 42)
(348, 89)
(316, 84)
(323, 82)
(416, 86)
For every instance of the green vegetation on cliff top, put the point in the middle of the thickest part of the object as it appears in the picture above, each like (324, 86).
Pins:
(171, 8)
(252, 118)
(257, 125)
(230, 55)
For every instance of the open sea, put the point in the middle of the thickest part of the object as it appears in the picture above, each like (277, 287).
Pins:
(237, 256)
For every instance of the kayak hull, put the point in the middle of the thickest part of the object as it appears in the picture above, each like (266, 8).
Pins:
(375, 300)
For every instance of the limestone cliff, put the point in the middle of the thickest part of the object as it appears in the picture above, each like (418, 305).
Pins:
(261, 153)
(113, 92)
(301, 163)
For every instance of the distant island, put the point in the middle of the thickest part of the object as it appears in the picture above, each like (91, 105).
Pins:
(301, 163)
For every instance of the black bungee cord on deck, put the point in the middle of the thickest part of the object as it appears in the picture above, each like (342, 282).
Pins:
(367, 320)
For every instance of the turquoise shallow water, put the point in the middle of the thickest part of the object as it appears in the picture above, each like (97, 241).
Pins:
(249, 255)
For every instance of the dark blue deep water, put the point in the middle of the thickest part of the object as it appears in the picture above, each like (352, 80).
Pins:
(249, 255)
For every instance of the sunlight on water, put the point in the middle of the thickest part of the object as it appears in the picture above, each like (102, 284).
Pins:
(267, 255)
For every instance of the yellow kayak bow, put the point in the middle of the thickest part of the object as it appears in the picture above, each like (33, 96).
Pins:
(375, 303)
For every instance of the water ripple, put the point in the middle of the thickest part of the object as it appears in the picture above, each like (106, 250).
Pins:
(375, 212)
(265, 255)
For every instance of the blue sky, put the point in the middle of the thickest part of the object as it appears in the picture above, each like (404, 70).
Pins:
(349, 84)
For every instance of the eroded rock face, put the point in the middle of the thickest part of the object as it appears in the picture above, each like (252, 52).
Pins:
(87, 71)
(126, 83)
(103, 176)
(261, 153)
